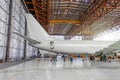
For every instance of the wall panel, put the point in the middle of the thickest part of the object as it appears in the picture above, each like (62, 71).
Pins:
(4, 6)
(18, 25)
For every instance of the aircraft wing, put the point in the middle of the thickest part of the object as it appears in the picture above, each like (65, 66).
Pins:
(28, 39)
(113, 47)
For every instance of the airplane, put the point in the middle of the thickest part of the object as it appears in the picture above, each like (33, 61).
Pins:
(40, 39)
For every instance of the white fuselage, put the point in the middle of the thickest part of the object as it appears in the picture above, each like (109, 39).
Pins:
(75, 46)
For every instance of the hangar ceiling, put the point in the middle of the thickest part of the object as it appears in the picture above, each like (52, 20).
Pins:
(75, 17)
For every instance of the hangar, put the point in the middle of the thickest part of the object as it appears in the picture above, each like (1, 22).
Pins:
(34, 31)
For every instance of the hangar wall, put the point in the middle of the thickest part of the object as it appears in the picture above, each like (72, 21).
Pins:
(16, 51)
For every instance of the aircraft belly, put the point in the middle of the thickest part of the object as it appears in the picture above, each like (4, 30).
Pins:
(77, 49)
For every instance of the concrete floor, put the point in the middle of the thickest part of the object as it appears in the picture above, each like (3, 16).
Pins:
(44, 69)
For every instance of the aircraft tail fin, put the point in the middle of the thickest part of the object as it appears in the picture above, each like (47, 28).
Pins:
(36, 31)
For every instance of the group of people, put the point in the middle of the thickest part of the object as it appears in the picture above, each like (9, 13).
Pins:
(102, 57)
(69, 57)
(64, 57)
(105, 57)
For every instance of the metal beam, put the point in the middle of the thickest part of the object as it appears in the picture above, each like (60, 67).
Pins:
(28, 2)
(33, 2)
(48, 13)
(64, 21)
(96, 11)
(25, 42)
(25, 6)
(41, 10)
(9, 31)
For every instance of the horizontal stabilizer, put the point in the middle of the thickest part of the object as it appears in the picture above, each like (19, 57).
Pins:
(28, 39)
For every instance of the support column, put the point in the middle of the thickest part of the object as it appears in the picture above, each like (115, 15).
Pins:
(9, 31)
(25, 42)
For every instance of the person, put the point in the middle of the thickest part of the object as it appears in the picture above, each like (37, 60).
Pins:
(54, 58)
(63, 56)
(90, 57)
(104, 57)
(71, 59)
(39, 54)
(115, 57)
(109, 58)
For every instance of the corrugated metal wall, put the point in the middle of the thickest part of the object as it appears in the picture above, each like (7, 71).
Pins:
(4, 6)
(18, 25)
